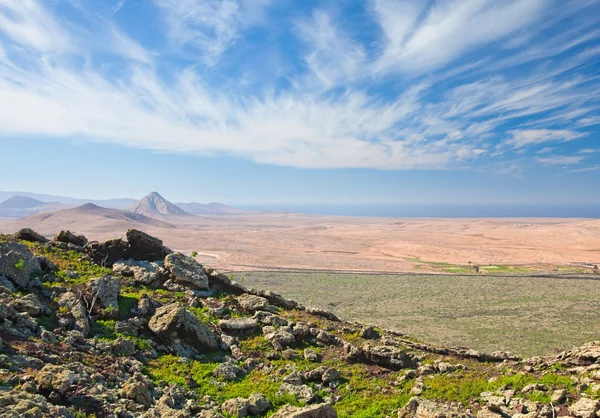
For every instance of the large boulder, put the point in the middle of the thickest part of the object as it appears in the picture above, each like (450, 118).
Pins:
(105, 292)
(17, 263)
(28, 234)
(143, 272)
(176, 323)
(107, 253)
(29, 304)
(70, 238)
(72, 313)
(187, 271)
(313, 411)
(238, 325)
(55, 378)
(387, 356)
(585, 408)
(145, 247)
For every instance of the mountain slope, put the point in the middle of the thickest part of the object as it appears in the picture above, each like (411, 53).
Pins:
(118, 203)
(20, 202)
(89, 218)
(156, 206)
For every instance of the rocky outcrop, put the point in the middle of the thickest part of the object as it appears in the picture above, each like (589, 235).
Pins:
(72, 313)
(70, 238)
(28, 234)
(145, 247)
(174, 323)
(147, 273)
(17, 263)
(107, 253)
(186, 271)
(105, 293)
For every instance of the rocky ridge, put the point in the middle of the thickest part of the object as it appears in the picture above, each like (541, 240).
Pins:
(128, 328)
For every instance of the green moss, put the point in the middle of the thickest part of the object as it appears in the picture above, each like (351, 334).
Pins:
(20, 265)
(126, 302)
(172, 369)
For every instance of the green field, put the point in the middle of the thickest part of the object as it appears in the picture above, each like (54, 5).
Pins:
(525, 315)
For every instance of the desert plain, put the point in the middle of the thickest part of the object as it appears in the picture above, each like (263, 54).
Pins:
(535, 293)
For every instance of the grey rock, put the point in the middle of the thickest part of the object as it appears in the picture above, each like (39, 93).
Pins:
(238, 324)
(369, 333)
(311, 355)
(105, 291)
(186, 270)
(143, 272)
(236, 407)
(6, 286)
(57, 378)
(107, 253)
(258, 404)
(17, 263)
(252, 303)
(175, 319)
(28, 234)
(76, 316)
(228, 371)
(28, 303)
(70, 238)
(123, 347)
(145, 247)
(301, 392)
(585, 408)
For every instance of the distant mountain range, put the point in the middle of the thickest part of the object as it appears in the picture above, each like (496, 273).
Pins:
(23, 204)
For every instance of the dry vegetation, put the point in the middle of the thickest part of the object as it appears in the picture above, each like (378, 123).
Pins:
(525, 315)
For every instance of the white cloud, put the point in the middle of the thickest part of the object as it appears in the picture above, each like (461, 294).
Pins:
(334, 56)
(559, 160)
(588, 151)
(436, 121)
(30, 25)
(524, 137)
(208, 28)
(448, 30)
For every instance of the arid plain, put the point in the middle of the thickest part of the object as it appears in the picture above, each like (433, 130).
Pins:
(534, 293)
(266, 241)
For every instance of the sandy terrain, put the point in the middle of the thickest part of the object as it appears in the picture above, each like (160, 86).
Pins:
(267, 241)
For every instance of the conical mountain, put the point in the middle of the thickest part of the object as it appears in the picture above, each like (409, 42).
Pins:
(156, 206)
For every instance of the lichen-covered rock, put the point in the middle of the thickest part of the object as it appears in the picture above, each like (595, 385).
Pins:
(72, 313)
(187, 271)
(28, 234)
(236, 407)
(70, 238)
(6, 286)
(387, 356)
(55, 378)
(238, 324)
(313, 411)
(258, 404)
(175, 319)
(301, 392)
(252, 303)
(143, 272)
(123, 347)
(18, 404)
(28, 303)
(145, 247)
(228, 371)
(17, 263)
(105, 292)
(139, 389)
(585, 408)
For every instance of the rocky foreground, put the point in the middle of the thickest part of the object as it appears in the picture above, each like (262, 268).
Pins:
(128, 328)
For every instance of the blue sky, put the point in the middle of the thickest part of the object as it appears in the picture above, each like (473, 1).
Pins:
(278, 101)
